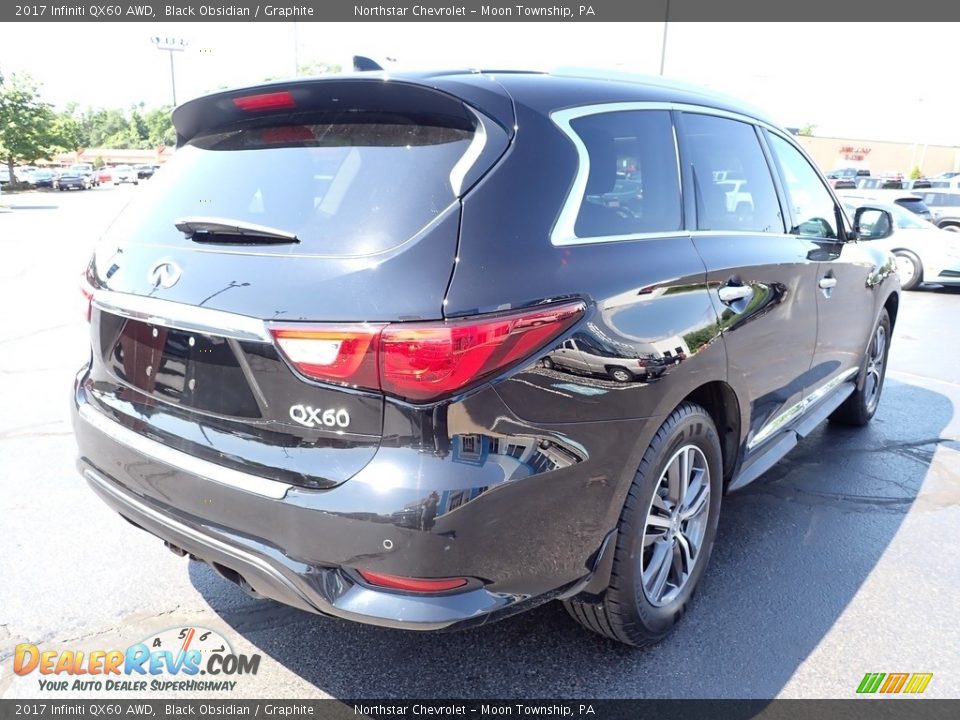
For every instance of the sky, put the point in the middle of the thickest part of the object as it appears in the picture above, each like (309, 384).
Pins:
(875, 81)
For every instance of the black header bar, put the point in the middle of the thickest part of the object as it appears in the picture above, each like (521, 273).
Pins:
(487, 11)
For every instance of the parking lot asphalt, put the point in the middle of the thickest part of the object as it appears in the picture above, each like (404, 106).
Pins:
(841, 560)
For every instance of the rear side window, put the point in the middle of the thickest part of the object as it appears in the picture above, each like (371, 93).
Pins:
(814, 211)
(732, 183)
(941, 199)
(343, 185)
(633, 185)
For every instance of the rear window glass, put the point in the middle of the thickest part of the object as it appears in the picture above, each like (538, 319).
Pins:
(343, 186)
(913, 205)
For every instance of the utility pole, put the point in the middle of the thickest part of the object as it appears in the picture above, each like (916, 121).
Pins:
(663, 44)
(171, 45)
(296, 51)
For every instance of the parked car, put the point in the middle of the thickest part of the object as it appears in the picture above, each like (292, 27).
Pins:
(22, 172)
(950, 183)
(879, 183)
(918, 184)
(42, 178)
(104, 175)
(124, 174)
(842, 183)
(86, 169)
(4, 174)
(850, 173)
(316, 344)
(944, 208)
(145, 172)
(924, 252)
(908, 200)
(70, 179)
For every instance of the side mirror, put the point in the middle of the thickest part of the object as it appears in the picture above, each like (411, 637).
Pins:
(870, 223)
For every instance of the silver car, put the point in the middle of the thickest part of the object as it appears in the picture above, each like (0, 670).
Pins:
(924, 252)
(944, 204)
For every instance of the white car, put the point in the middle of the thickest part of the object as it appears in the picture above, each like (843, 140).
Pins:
(908, 200)
(124, 174)
(924, 252)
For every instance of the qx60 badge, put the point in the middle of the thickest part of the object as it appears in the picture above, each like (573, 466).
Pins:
(318, 417)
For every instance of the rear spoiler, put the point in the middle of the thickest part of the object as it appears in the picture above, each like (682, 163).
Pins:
(368, 91)
(372, 91)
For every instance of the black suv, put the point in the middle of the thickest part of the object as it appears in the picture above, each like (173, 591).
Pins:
(322, 341)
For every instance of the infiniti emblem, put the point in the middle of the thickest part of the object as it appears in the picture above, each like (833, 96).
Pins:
(164, 274)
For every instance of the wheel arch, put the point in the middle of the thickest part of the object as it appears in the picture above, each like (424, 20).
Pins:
(721, 403)
(892, 306)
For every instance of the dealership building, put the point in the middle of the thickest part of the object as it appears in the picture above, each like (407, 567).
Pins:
(880, 157)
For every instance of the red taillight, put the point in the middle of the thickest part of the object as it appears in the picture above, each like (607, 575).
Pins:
(87, 292)
(395, 582)
(344, 354)
(265, 101)
(422, 361)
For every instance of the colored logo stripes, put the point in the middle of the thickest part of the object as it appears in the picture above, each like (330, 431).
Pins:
(890, 683)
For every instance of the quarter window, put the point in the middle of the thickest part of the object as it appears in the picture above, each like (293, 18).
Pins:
(632, 186)
(732, 183)
(814, 211)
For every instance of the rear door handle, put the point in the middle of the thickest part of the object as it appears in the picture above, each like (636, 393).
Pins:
(732, 293)
(827, 282)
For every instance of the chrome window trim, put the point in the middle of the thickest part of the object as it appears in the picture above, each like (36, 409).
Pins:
(800, 408)
(180, 316)
(564, 232)
(219, 474)
(477, 143)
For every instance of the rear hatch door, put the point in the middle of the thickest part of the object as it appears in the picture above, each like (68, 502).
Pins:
(331, 202)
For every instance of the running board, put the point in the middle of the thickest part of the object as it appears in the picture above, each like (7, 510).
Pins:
(772, 454)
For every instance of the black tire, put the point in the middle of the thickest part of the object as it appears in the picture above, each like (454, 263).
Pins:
(621, 375)
(950, 227)
(547, 363)
(916, 278)
(624, 612)
(861, 406)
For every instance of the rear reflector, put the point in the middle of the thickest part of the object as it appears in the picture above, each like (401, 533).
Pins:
(87, 292)
(265, 101)
(422, 361)
(395, 582)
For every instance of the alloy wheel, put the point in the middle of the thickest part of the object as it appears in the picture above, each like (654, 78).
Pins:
(675, 526)
(876, 357)
(905, 269)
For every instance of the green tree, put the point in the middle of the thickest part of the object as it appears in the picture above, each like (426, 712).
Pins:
(28, 126)
(807, 129)
(916, 173)
(160, 127)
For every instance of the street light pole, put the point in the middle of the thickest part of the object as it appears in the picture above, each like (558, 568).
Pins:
(171, 45)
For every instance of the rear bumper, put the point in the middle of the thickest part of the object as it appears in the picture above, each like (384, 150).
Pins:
(524, 541)
(329, 591)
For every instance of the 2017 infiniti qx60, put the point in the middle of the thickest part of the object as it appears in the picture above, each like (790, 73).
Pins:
(426, 350)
